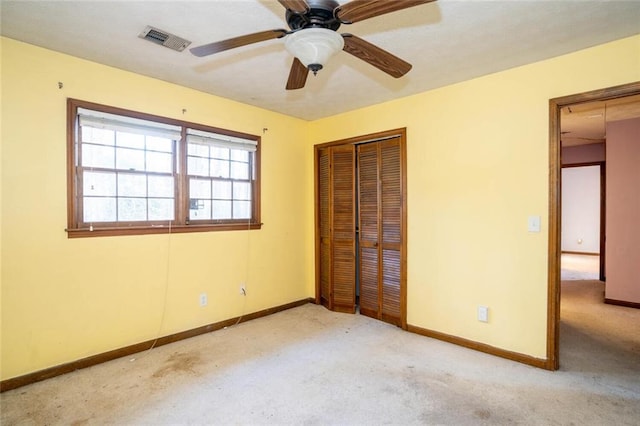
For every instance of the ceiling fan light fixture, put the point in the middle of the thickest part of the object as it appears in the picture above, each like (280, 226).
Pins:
(314, 46)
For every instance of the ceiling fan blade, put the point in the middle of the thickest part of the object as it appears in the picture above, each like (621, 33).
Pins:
(358, 10)
(219, 46)
(375, 56)
(297, 6)
(297, 75)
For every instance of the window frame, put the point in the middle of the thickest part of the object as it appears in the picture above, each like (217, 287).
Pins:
(76, 228)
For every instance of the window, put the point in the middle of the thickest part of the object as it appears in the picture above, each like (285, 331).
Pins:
(134, 173)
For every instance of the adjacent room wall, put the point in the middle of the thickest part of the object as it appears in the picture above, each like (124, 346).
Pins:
(623, 211)
(65, 299)
(478, 160)
(581, 209)
(590, 153)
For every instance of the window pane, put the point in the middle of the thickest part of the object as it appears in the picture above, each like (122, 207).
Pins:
(101, 136)
(241, 191)
(198, 150)
(155, 143)
(221, 210)
(133, 175)
(200, 209)
(161, 186)
(220, 168)
(242, 209)
(99, 209)
(221, 190)
(160, 209)
(221, 153)
(129, 159)
(130, 140)
(159, 162)
(198, 166)
(132, 209)
(98, 156)
(239, 170)
(199, 188)
(240, 155)
(98, 183)
(132, 185)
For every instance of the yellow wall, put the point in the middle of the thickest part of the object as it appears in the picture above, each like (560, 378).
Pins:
(477, 168)
(64, 299)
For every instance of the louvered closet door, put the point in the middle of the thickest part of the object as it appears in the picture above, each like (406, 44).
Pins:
(380, 188)
(368, 229)
(336, 228)
(323, 239)
(393, 297)
(343, 228)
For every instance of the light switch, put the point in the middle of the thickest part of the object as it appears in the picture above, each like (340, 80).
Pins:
(483, 313)
(534, 224)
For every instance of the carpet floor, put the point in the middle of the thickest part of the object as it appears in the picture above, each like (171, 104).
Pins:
(311, 366)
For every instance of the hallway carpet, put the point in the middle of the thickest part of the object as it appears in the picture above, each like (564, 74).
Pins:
(311, 366)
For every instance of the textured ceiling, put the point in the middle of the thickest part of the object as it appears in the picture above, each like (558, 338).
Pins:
(446, 41)
(586, 123)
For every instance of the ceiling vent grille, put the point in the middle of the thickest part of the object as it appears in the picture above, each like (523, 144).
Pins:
(164, 38)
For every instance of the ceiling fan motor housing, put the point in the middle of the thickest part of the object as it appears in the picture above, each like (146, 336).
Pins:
(319, 15)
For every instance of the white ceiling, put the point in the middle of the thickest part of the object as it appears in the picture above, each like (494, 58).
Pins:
(446, 41)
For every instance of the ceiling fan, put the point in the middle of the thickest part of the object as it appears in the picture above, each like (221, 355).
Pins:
(313, 38)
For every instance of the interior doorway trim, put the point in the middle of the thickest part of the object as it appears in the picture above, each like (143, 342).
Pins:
(555, 167)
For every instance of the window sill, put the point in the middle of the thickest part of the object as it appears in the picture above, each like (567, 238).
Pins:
(159, 229)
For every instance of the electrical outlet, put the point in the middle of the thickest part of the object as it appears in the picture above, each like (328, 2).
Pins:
(483, 313)
(243, 289)
(203, 299)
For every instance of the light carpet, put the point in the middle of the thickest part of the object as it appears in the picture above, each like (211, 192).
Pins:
(314, 367)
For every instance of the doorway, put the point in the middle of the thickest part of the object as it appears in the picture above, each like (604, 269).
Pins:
(584, 208)
(555, 166)
(360, 193)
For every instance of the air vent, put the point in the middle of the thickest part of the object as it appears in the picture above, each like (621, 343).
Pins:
(164, 38)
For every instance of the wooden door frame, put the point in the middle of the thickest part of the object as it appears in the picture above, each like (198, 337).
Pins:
(602, 170)
(555, 167)
(372, 137)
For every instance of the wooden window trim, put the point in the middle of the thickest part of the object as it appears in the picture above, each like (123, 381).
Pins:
(181, 223)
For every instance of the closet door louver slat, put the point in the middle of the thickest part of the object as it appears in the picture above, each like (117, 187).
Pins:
(391, 212)
(324, 180)
(369, 223)
(343, 228)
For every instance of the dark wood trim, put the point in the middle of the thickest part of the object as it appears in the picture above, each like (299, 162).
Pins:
(555, 164)
(71, 173)
(603, 220)
(159, 229)
(482, 347)
(58, 370)
(403, 230)
(624, 303)
(583, 253)
(554, 243)
(371, 137)
(316, 223)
